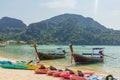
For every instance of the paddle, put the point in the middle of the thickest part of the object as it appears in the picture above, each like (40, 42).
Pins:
(110, 57)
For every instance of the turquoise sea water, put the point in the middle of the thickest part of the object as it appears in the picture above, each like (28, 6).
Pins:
(26, 52)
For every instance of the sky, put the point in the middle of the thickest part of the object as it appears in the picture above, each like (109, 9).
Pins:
(106, 12)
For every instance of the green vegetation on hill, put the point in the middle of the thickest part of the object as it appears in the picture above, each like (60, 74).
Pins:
(9, 27)
(65, 29)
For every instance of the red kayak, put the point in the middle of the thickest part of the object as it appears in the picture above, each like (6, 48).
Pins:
(65, 74)
(41, 71)
(56, 74)
(88, 73)
(76, 77)
(50, 72)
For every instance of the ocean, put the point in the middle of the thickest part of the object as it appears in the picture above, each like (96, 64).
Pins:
(111, 64)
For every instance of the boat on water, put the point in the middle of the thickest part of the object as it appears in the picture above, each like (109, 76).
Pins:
(86, 58)
(48, 56)
(2, 45)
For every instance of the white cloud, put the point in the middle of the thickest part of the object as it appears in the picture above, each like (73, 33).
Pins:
(62, 4)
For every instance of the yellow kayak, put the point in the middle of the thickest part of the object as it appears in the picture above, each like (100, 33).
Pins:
(32, 67)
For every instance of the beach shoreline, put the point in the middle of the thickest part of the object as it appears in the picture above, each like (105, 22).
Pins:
(17, 74)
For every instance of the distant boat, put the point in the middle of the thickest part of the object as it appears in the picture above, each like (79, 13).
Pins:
(2, 45)
(87, 58)
(49, 56)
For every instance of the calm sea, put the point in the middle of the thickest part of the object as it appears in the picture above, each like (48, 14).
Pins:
(111, 65)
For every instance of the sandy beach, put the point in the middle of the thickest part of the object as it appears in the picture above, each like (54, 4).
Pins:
(13, 74)
(17, 74)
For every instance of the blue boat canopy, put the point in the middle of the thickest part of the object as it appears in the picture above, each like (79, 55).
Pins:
(59, 48)
(98, 48)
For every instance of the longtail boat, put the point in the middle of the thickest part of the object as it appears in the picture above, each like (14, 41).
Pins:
(87, 57)
(48, 56)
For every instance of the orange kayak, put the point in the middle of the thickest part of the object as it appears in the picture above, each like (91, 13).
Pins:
(50, 72)
(56, 74)
(41, 71)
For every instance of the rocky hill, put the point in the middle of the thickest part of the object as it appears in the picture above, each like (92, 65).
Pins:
(65, 29)
(10, 27)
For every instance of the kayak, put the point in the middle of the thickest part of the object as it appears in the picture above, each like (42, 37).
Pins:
(65, 75)
(14, 66)
(21, 62)
(111, 79)
(76, 77)
(92, 77)
(32, 67)
(5, 62)
(29, 66)
(41, 71)
(50, 72)
(88, 73)
(56, 74)
(18, 65)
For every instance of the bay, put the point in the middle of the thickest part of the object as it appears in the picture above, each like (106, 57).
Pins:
(27, 52)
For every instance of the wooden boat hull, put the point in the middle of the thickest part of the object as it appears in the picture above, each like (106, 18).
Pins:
(43, 56)
(49, 56)
(83, 59)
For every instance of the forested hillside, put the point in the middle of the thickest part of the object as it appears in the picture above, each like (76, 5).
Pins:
(69, 28)
(10, 27)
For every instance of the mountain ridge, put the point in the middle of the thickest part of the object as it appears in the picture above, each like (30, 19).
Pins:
(69, 28)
